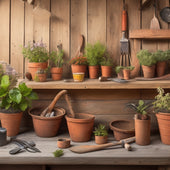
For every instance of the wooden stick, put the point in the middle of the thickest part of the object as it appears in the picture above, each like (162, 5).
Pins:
(67, 98)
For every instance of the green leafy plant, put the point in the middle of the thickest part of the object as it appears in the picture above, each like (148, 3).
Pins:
(58, 153)
(100, 130)
(141, 109)
(120, 68)
(35, 52)
(106, 61)
(56, 58)
(146, 58)
(15, 98)
(162, 55)
(94, 53)
(162, 102)
(78, 60)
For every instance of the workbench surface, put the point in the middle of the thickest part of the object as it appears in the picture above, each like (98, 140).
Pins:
(154, 154)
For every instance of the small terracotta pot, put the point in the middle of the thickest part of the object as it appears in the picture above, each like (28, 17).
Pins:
(160, 68)
(101, 139)
(142, 131)
(11, 121)
(164, 127)
(120, 75)
(56, 73)
(33, 68)
(41, 77)
(78, 68)
(126, 74)
(63, 143)
(81, 127)
(106, 71)
(46, 126)
(148, 72)
(93, 72)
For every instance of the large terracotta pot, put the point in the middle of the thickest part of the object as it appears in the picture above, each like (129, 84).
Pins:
(160, 68)
(106, 71)
(81, 127)
(33, 68)
(126, 74)
(148, 72)
(93, 72)
(46, 126)
(79, 68)
(164, 127)
(142, 131)
(56, 73)
(101, 139)
(11, 121)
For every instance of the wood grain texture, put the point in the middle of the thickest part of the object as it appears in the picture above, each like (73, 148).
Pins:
(4, 30)
(78, 23)
(97, 21)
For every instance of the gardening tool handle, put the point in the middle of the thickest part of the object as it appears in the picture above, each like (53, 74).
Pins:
(124, 20)
(127, 147)
(67, 98)
(78, 52)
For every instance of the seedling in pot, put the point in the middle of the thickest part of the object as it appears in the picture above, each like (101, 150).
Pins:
(100, 130)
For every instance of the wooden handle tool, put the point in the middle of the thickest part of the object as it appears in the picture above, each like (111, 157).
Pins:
(90, 148)
(78, 52)
(124, 18)
(165, 77)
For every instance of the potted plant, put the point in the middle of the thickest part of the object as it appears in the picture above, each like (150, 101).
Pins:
(142, 122)
(101, 134)
(162, 109)
(106, 66)
(119, 71)
(37, 55)
(148, 61)
(79, 64)
(94, 54)
(14, 100)
(56, 61)
(41, 75)
(124, 71)
(161, 57)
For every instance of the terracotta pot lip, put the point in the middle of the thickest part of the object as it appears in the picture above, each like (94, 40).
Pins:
(12, 113)
(63, 139)
(47, 118)
(149, 118)
(37, 62)
(101, 136)
(149, 66)
(163, 116)
(121, 130)
(105, 66)
(78, 64)
(91, 118)
(94, 66)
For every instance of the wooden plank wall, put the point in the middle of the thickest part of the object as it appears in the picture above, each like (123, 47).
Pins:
(97, 20)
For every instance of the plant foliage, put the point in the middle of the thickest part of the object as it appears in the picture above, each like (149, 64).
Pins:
(100, 130)
(146, 58)
(56, 58)
(119, 68)
(94, 53)
(106, 61)
(162, 102)
(58, 153)
(162, 55)
(79, 60)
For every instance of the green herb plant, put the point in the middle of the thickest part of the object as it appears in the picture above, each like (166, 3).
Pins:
(78, 60)
(146, 58)
(120, 68)
(162, 55)
(100, 130)
(95, 53)
(58, 153)
(162, 101)
(141, 109)
(56, 58)
(106, 61)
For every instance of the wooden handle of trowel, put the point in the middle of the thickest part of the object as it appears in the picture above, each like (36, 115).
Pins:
(124, 20)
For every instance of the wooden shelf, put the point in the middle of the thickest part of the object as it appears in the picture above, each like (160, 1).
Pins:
(96, 84)
(150, 34)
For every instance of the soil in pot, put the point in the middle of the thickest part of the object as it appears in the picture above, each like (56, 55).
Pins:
(164, 127)
(106, 71)
(126, 74)
(11, 121)
(56, 73)
(148, 72)
(93, 72)
(81, 127)
(46, 126)
(101, 139)
(160, 68)
(34, 67)
(142, 131)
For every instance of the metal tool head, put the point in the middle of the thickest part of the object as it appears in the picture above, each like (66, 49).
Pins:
(124, 48)
(165, 14)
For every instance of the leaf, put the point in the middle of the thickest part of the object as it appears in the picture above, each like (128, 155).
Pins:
(58, 153)
(24, 89)
(5, 82)
(33, 96)
(23, 105)
(15, 95)
(141, 102)
(3, 92)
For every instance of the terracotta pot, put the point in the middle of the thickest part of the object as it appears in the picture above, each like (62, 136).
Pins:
(33, 68)
(160, 68)
(93, 72)
(101, 139)
(56, 73)
(81, 127)
(122, 129)
(11, 121)
(79, 68)
(46, 126)
(148, 72)
(126, 74)
(106, 71)
(164, 127)
(142, 131)
(63, 143)
(41, 77)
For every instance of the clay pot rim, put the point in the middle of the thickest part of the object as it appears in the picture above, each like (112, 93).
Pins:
(75, 120)
(11, 113)
(121, 130)
(163, 116)
(47, 118)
